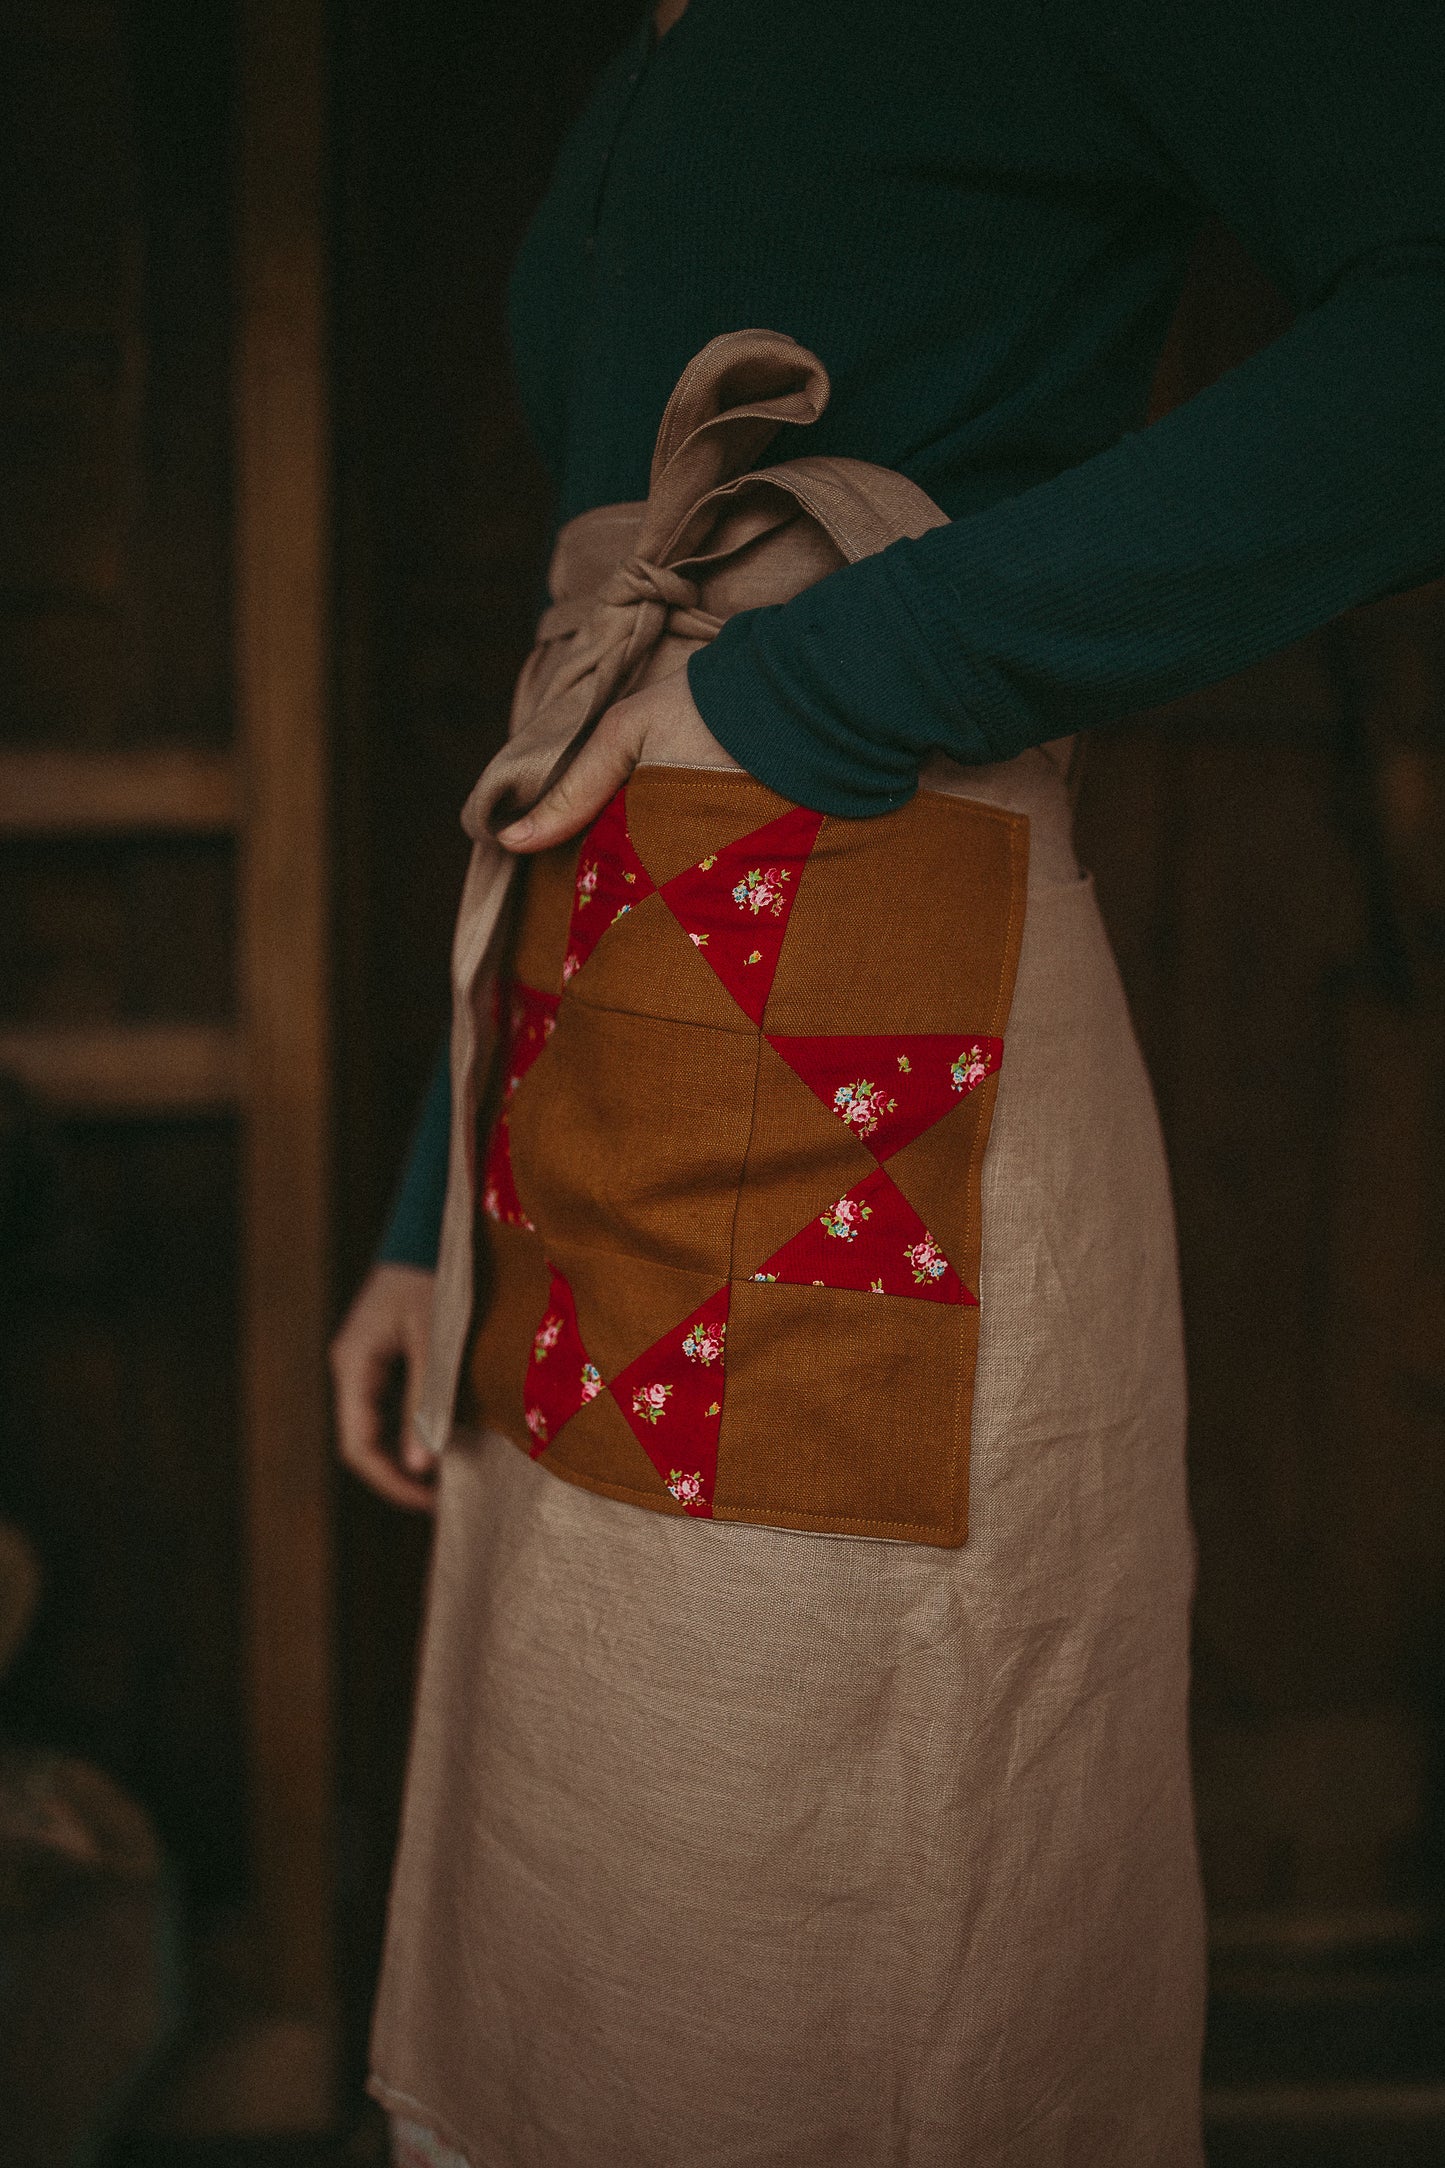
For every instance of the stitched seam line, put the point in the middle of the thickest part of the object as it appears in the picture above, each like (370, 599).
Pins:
(745, 1513)
(654, 1016)
(743, 1171)
(760, 1032)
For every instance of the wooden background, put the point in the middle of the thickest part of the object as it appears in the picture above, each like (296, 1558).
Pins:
(1268, 855)
(118, 1375)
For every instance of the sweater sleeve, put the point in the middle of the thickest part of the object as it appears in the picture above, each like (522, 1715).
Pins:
(413, 1231)
(1308, 480)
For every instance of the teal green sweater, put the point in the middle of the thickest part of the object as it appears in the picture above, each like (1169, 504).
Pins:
(979, 217)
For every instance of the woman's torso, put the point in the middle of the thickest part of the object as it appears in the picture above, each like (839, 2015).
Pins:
(945, 202)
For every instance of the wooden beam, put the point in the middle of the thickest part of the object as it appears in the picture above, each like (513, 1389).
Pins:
(151, 791)
(282, 582)
(120, 1070)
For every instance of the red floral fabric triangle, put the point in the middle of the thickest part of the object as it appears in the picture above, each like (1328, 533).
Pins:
(528, 1018)
(672, 1397)
(531, 1020)
(560, 1379)
(500, 1201)
(871, 1240)
(734, 906)
(611, 878)
(888, 1087)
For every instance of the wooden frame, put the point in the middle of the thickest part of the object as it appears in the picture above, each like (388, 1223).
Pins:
(153, 792)
(282, 583)
(147, 1071)
(268, 2066)
(122, 1070)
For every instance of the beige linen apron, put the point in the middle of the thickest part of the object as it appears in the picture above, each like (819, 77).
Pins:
(731, 1847)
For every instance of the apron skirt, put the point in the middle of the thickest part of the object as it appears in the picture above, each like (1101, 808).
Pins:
(736, 1847)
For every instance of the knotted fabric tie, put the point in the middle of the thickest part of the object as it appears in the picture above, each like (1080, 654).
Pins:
(635, 606)
(637, 582)
(612, 638)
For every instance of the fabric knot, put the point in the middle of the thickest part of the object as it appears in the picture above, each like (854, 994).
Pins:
(630, 617)
(637, 580)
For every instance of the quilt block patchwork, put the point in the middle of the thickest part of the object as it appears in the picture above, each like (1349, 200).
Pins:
(740, 1118)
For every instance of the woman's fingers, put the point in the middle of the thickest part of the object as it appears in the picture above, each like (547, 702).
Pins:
(417, 1457)
(386, 1326)
(359, 1437)
(594, 778)
(659, 723)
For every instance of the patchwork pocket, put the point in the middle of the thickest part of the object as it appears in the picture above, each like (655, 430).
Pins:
(734, 1177)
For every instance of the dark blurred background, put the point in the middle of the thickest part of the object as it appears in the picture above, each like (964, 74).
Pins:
(270, 539)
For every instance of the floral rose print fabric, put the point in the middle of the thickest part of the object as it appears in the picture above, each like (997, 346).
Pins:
(888, 1090)
(611, 879)
(734, 904)
(893, 1242)
(526, 1024)
(672, 1396)
(872, 1240)
(560, 1378)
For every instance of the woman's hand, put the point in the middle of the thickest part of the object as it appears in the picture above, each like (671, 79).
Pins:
(660, 723)
(382, 1344)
